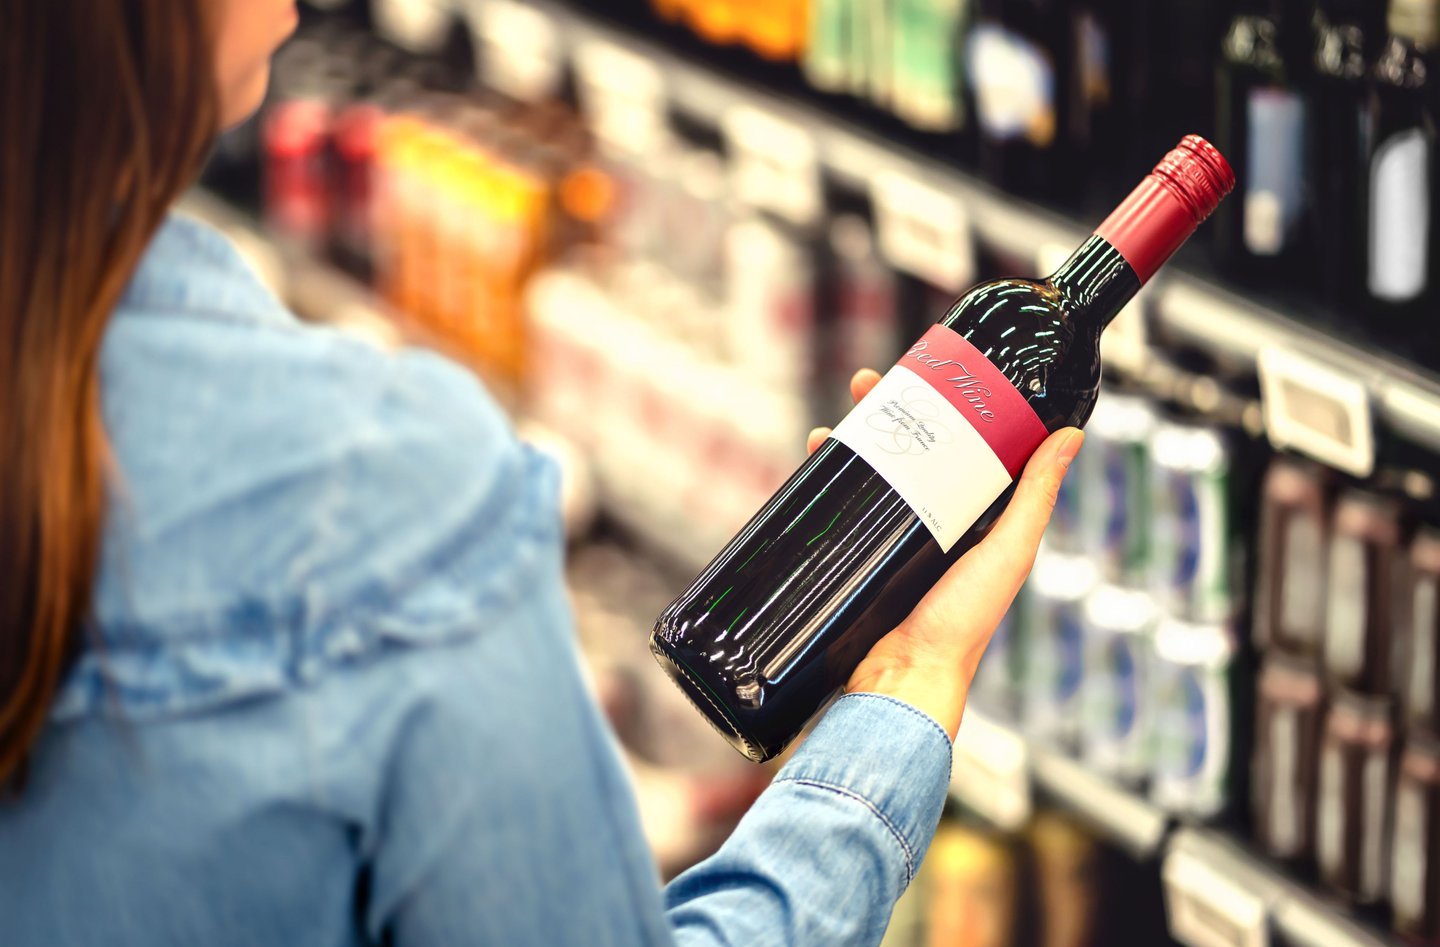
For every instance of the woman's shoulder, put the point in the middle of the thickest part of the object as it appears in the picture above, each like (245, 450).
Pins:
(285, 497)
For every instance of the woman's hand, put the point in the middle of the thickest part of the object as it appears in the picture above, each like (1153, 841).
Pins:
(931, 658)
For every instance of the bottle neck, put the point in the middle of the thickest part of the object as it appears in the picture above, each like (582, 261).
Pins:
(1095, 283)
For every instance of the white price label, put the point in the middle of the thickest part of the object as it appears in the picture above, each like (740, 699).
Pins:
(520, 50)
(417, 26)
(623, 96)
(1208, 907)
(1317, 410)
(773, 164)
(924, 231)
(991, 771)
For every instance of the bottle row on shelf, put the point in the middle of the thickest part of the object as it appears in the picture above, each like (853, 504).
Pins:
(1326, 107)
(1333, 395)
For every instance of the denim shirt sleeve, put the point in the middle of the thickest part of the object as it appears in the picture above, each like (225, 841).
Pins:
(825, 852)
(512, 821)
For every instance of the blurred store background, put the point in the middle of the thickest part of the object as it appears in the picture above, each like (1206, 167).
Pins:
(667, 232)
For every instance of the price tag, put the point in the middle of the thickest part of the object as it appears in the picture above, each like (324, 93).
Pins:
(923, 231)
(1209, 907)
(1316, 410)
(623, 96)
(417, 26)
(521, 50)
(991, 772)
(773, 164)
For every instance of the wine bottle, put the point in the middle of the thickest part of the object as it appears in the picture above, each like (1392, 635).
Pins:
(1403, 245)
(1019, 57)
(1348, 34)
(916, 474)
(1261, 121)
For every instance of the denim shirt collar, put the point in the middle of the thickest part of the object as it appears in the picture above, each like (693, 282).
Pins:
(192, 269)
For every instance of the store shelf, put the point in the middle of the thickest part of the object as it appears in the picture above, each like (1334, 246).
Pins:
(1218, 894)
(998, 772)
(1402, 397)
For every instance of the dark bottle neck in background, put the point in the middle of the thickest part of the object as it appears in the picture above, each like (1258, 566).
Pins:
(1094, 284)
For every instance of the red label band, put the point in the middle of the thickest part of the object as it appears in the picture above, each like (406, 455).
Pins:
(983, 396)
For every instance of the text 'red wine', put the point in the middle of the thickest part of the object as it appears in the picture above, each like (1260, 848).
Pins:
(916, 473)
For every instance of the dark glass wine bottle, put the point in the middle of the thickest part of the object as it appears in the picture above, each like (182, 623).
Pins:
(1348, 35)
(1403, 244)
(1018, 60)
(916, 474)
(1260, 122)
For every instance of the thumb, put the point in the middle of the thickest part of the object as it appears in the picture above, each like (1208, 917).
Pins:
(1002, 560)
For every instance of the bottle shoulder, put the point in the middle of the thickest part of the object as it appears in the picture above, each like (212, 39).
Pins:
(1026, 330)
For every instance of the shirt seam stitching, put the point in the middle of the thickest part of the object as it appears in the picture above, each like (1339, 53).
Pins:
(879, 814)
(903, 706)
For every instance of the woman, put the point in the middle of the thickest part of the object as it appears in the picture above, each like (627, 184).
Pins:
(284, 649)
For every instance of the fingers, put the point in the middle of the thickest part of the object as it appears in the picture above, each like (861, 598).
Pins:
(989, 576)
(860, 385)
(862, 382)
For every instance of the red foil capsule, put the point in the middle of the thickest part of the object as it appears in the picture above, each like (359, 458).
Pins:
(1174, 199)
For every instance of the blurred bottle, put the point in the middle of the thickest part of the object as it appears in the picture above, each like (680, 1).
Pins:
(1290, 584)
(1415, 851)
(1069, 870)
(1166, 70)
(1017, 56)
(770, 307)
(1357, 770)
(1418, 626)
(927, 62)
(1288, 715)
(1402, 243)
(980, 888)
(1347, 38)
(1261, 119)
(1365, 555)
(865, 329)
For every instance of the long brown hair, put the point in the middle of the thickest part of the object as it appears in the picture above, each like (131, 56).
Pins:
(107, 108)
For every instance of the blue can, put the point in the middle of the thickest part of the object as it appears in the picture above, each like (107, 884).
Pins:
(1115, 711)
(1191, 694)
(1053, 659)
(1192, 557)
(1114, 489)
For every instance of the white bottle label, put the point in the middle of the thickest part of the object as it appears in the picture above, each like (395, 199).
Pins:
(1400, 216)
(1014, 86)
(1274, 195)
(947, 430)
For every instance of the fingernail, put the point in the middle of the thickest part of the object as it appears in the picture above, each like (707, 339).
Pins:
(817, 433)
(1069, 447)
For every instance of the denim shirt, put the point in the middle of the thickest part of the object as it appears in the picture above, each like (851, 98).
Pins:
(332, 695)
